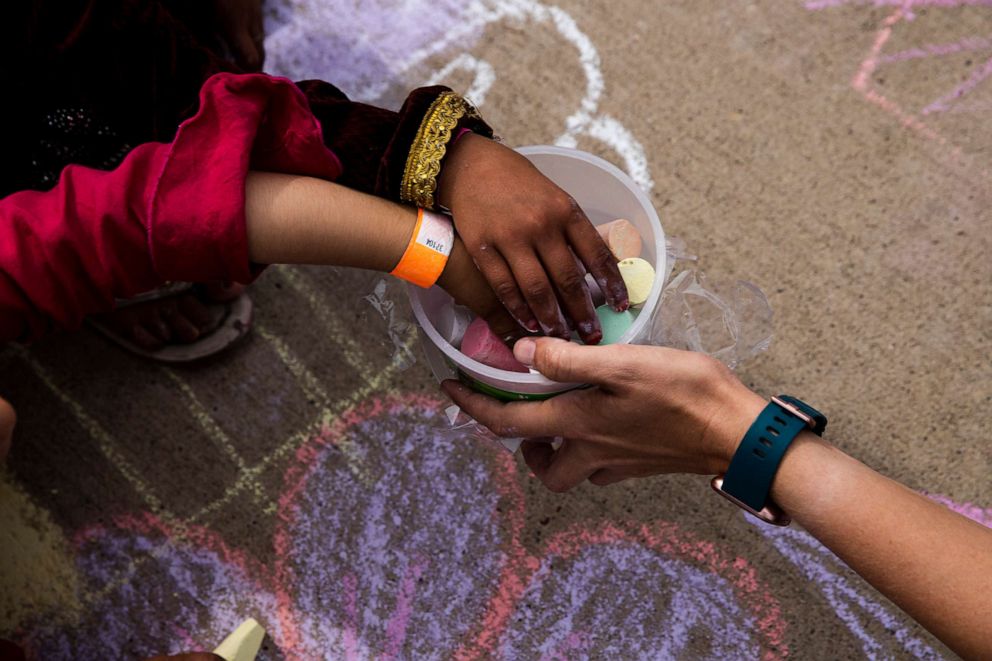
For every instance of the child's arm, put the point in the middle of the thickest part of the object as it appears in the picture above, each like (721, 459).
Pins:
(176, 211)
(302, 220)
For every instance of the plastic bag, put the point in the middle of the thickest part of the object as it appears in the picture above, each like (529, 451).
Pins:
(390, 304)
(729, 320)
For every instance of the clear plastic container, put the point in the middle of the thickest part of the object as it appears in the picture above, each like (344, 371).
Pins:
(605, 193)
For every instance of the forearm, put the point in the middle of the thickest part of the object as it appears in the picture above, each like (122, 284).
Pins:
(933, 563)
(302, 220)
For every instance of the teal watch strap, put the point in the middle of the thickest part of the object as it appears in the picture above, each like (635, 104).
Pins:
(753, 467)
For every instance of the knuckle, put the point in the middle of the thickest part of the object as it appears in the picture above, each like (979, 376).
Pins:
(562, 205)
(555, 485)
(505, 290)
(556, 360)
(539, 292)
(572, 284)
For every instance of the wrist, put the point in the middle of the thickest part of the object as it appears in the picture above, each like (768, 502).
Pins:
(455, 164)
(739, 407)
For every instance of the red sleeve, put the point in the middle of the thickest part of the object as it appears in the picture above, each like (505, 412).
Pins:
(168, 212)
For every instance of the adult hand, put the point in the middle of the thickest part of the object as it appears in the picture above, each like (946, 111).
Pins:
(529, 238)
(652, 410)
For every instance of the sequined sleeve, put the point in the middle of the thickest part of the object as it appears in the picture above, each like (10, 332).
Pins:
(396, 155)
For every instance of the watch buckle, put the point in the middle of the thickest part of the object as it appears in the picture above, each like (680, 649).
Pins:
(770, 513)
(795, 412)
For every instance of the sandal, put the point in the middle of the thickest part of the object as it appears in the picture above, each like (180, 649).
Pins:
(229, 322)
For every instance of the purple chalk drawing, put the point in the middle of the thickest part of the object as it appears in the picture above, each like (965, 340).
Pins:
(418, 549)
(666, 604)
(424, 560)
(155, 595)
(850, 597)
(361, 47)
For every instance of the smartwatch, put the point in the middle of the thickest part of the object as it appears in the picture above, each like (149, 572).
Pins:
(748, 480)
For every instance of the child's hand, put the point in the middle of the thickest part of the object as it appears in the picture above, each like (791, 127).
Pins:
(466, 285)
(525, 233)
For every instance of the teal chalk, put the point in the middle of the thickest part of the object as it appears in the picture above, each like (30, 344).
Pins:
(614, 324)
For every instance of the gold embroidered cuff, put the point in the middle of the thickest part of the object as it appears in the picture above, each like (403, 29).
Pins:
(429, 145)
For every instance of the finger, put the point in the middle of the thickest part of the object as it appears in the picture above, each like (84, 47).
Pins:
(530, 275)
(567, 469)
(570, 282)
(461, 278)
(497, 273)
(570, 362)
(537, 454)
(503, 325)
(595, 254)
(605, 477)
(508, 420)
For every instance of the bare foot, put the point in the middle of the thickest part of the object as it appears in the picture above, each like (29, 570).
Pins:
(179, 319)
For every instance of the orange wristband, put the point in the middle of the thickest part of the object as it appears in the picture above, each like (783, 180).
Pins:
(427, 253)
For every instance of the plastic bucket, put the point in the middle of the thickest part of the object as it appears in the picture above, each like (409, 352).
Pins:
(605, 193)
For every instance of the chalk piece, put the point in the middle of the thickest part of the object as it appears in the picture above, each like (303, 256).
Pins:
(452, 322)
(638, 275)
(244, 643)
(481, 344)
(598, 298)
(622, 237)
(614, 324)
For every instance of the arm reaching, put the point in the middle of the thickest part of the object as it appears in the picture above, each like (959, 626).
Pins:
(657, 410)
(177, 211)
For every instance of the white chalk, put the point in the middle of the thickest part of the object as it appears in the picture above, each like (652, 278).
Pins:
(243, 644)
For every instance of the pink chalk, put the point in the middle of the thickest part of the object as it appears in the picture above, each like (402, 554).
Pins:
(622, 237)
(481, 344)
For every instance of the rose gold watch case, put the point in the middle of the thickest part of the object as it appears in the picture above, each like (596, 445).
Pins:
(810, 422)
(770, 513)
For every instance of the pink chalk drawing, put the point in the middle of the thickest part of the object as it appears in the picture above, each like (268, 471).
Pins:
(955, 100)
(427, 560)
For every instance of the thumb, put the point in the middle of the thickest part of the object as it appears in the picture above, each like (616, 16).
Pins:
(560, 360)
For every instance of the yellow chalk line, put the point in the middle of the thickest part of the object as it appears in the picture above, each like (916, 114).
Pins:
(353, 352)
(248, 477)
(105, 442)
(311, 386)
(214, 432)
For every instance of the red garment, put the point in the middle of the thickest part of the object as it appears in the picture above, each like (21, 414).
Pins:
(170, 211)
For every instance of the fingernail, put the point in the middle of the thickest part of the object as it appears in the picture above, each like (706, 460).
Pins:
(532, 326)
(524, 351)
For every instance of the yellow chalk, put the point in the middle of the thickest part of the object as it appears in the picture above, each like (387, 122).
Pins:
(243, 644)
(638, 275)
